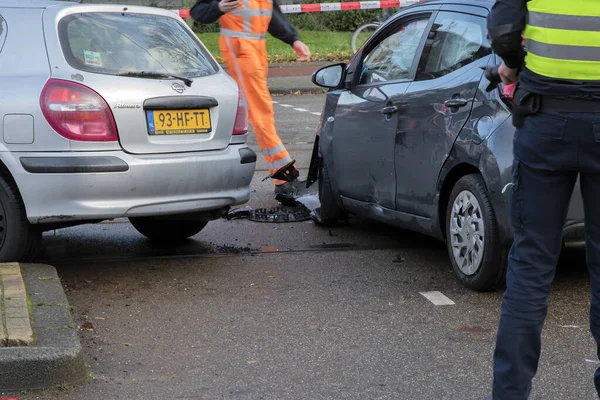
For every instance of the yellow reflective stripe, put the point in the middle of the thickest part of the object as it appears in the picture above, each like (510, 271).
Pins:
(566, 7)
(562, 39)
(559, 36)
(563, 69)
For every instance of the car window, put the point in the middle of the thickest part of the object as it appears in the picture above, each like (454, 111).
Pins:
(393, 57)
(454, 41)
(3, 32)
(114, 43)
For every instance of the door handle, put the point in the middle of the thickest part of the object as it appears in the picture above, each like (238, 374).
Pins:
(456, 103)
(389, 110)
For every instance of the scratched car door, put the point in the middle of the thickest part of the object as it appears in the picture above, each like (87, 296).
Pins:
(438, 104)
(366, 117)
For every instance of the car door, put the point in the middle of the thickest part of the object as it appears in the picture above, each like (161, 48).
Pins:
(437, 104)
(366, 119)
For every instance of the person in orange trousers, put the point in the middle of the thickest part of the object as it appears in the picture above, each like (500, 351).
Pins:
(244, 25)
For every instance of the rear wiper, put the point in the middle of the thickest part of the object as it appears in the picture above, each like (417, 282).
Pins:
(156, 75)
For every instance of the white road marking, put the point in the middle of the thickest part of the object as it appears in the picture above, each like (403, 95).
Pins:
(437, 298)
(299, 109)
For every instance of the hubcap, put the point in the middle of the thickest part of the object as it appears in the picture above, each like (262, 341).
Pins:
(467, 232)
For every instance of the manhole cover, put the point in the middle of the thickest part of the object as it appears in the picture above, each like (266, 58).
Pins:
(280, 214)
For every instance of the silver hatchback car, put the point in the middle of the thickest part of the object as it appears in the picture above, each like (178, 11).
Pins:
(113, 111)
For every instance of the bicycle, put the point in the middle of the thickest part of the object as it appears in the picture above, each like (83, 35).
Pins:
(365, 31)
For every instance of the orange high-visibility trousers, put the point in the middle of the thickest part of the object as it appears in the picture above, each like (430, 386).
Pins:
(246, 60)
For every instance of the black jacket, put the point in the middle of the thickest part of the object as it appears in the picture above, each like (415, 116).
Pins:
(506, 24)
(207, 12)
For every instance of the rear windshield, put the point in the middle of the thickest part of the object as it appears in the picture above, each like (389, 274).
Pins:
(116, 43)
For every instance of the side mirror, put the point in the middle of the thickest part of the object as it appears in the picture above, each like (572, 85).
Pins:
(330, 76)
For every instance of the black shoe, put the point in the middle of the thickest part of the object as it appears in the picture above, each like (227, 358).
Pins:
(285, 194)
(285, 189)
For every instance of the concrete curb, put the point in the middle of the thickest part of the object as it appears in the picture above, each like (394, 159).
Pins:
(56, 357)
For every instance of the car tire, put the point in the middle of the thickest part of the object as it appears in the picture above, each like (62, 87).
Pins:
(19, 239)
(478, 262)
(330, 211)
(166, 230)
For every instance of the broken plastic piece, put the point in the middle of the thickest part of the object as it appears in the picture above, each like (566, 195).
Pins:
(287, 173)
(239, 213)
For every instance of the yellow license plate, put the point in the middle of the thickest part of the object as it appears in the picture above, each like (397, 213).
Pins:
(178, 122)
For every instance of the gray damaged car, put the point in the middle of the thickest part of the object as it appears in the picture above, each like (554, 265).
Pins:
(410, 136)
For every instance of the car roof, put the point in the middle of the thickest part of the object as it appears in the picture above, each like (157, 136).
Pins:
(481, 3)
(35, 3)
(51, 3)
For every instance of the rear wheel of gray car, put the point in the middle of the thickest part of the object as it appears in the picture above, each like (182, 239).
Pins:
(472, 236)
(19, 240)
(167, 231)
(330, 211)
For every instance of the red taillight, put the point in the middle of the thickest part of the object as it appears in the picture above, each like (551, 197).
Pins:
(77, 112)
(241, 118)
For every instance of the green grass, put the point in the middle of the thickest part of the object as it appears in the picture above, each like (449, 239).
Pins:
(324, 46)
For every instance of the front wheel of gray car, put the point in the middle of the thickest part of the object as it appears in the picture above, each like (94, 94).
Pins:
(472, 236)
(19, 240)
(167, 231)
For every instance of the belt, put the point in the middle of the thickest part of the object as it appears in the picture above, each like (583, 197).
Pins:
(569, 105)
(532, 103)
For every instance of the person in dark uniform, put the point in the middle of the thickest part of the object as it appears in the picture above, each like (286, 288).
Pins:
(557, 115)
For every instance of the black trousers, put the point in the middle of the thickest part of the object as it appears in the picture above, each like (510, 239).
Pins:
(550, 151)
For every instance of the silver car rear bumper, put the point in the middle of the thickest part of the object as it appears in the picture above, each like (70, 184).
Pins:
(74, 186)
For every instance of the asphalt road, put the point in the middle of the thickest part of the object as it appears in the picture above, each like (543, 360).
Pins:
(251, 310)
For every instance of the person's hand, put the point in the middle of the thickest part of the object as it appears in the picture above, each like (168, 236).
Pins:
(301, 50)
(226, 6)
(508, 75)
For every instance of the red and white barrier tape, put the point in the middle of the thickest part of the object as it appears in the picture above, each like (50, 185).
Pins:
(323, 7)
